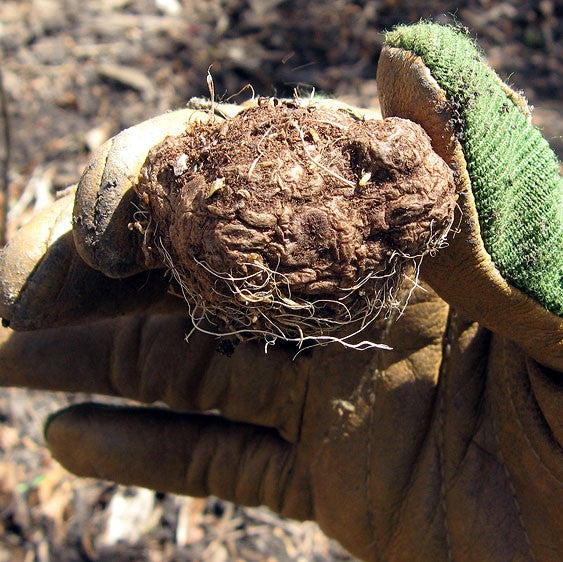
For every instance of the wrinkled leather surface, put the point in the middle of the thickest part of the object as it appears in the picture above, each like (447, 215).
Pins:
(440, 449)
(44, 282)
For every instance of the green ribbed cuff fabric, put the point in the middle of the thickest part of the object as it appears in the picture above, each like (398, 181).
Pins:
(514, 174)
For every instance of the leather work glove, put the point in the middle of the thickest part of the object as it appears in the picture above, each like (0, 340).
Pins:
(449, 446)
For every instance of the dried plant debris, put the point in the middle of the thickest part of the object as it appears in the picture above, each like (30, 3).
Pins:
(294, 222)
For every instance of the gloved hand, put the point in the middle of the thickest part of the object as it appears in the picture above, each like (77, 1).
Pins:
(446, 447)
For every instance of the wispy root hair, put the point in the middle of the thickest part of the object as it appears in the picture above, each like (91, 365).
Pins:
(260, 305)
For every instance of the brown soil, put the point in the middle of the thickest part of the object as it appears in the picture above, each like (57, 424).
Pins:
(302, 218)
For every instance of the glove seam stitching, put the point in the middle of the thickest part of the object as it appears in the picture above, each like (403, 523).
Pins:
(96, 218)
(502, 460)
(444, 368)
(372, 398)
(523, 431)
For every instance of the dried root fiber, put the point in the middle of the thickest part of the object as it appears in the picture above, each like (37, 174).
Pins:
(294, 222)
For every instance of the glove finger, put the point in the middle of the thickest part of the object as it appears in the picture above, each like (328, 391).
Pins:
(503, 268)
(105, 201)
(45, 283)
(179, 453)
(147, 359)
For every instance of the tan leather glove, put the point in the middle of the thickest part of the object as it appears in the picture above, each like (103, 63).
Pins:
(446, 447)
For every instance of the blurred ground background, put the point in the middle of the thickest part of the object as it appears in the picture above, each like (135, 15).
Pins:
(77, 72)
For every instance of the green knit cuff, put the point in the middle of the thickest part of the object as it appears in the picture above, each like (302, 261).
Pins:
(514, 174)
